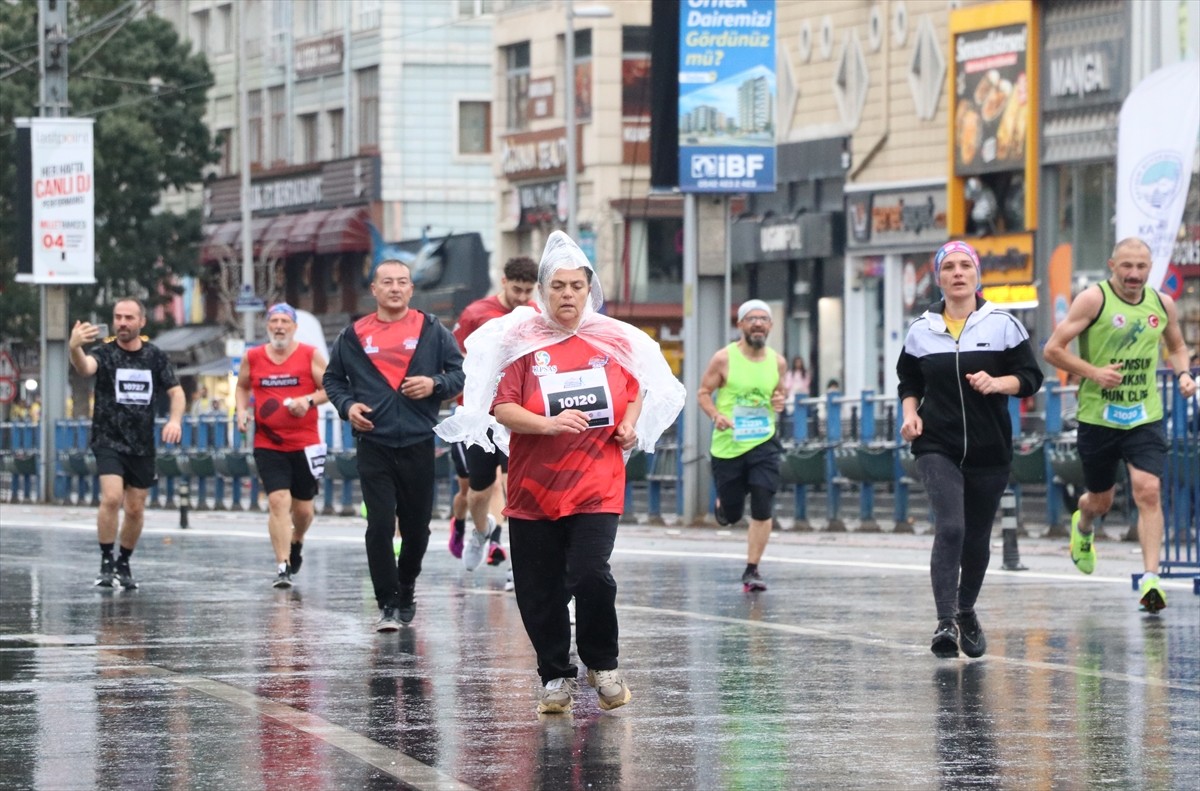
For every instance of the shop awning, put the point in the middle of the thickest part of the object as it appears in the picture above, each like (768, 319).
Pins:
(345, 231)
(218, 367)
(304, 232)
(221, 241)
(182, 339)
(276, 239)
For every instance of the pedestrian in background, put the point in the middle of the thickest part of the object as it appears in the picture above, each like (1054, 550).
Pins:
(129, 372)
(482, 467)
(962, 360)
(746, 452)
(1120, 324)
(388, 374)
(578, 391)
(281, 381)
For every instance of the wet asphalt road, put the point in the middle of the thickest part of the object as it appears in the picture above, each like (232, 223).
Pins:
(207, 677)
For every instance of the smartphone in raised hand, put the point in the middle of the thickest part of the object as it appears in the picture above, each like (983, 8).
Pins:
(103, 330)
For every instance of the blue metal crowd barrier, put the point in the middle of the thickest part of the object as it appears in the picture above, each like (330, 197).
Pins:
(835, 441)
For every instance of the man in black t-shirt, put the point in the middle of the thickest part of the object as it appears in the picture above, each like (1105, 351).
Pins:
(129, 373)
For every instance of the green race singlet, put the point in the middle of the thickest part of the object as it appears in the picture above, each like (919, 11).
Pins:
(746, 399)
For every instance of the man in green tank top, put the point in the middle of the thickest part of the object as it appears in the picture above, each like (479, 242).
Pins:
(748, 378)
(1119, 324)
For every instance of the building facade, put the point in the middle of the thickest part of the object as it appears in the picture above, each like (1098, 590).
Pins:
(366, 122)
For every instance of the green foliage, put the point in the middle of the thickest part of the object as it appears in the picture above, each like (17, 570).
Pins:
(147, 92)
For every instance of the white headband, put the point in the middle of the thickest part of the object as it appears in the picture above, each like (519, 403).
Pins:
(753, 304)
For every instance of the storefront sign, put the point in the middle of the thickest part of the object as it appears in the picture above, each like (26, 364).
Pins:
(323, 56)
(330, 184)
(1084, 75)
(1005, 259)
(727, 96)
(538, 154)
(635, 142)
(540, 203)
(804, 236)
(992, 105)
(541, 98)
(888, 219)
(56, 180)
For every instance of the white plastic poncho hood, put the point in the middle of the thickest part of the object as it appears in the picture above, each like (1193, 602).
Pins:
(503, 340)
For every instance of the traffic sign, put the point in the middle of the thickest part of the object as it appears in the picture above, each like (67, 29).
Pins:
(8, 390)
(248, 301)
(8, 369)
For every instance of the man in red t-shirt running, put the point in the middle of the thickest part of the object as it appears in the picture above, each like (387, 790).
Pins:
(475, 466)
(281, 382)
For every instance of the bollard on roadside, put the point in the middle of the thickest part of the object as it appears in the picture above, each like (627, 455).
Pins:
(185, 501)
(1008, 530)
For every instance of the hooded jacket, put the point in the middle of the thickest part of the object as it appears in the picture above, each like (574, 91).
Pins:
(971, 429)
(399, 421)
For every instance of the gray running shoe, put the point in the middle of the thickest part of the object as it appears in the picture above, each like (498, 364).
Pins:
(557, 696)
(610, 688)
(476, 545)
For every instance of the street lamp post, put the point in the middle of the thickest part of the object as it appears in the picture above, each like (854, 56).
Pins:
(590, 12)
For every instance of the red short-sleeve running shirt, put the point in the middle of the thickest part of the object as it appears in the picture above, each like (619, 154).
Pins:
(390, 344)
(553, 477)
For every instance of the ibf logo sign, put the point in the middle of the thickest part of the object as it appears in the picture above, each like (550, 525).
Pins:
(727, 166)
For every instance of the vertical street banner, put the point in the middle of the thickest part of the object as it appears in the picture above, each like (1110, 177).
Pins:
(1154, 159)
(56, 201)
(727, 96)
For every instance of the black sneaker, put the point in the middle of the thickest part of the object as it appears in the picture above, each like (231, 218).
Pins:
(945, 639)
(719, 514)
(294, 557)
(388, 621)
(971, 639)
(284, 578)
(752, 582)
(406, 607)
(125, 576)
(107, 578)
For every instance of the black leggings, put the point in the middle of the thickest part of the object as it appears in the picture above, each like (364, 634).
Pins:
(964, 504)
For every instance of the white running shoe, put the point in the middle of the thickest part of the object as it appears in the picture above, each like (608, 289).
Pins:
(476, 545)
(508, 581)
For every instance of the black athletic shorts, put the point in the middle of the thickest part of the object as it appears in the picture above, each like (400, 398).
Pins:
(1101, 449)
(458, 455)
(138, 472)
(482, 464)
(284, 469)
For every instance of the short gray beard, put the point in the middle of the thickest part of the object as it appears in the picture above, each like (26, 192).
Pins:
(755, 343)
(280, 344)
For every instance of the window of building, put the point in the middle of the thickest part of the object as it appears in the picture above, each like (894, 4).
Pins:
(368, 109)
(368, 16)
(635, 72)
(225, 27)
(225, 143)
(308, 16)
(474, 127)
(583, 74)
(1085, 211)
(255, 126)
(337, 125)
(279, 152)
(516, 95)
(201, 29)
(655, 260)
(467, 9)
(307, 125)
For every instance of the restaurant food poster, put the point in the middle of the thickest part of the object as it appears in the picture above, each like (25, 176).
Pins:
(727, 96)
(992, 108)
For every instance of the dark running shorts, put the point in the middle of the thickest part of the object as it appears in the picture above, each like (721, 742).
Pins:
(1102, 448)
(282, 469)
(482, 464)
(458, 455)
(137, 471)
(759, 466)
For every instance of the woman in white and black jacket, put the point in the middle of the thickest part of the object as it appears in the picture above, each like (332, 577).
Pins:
(962, 360)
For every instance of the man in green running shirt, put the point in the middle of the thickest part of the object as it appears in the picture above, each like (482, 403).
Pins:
(1120, 324)
(748, 377)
